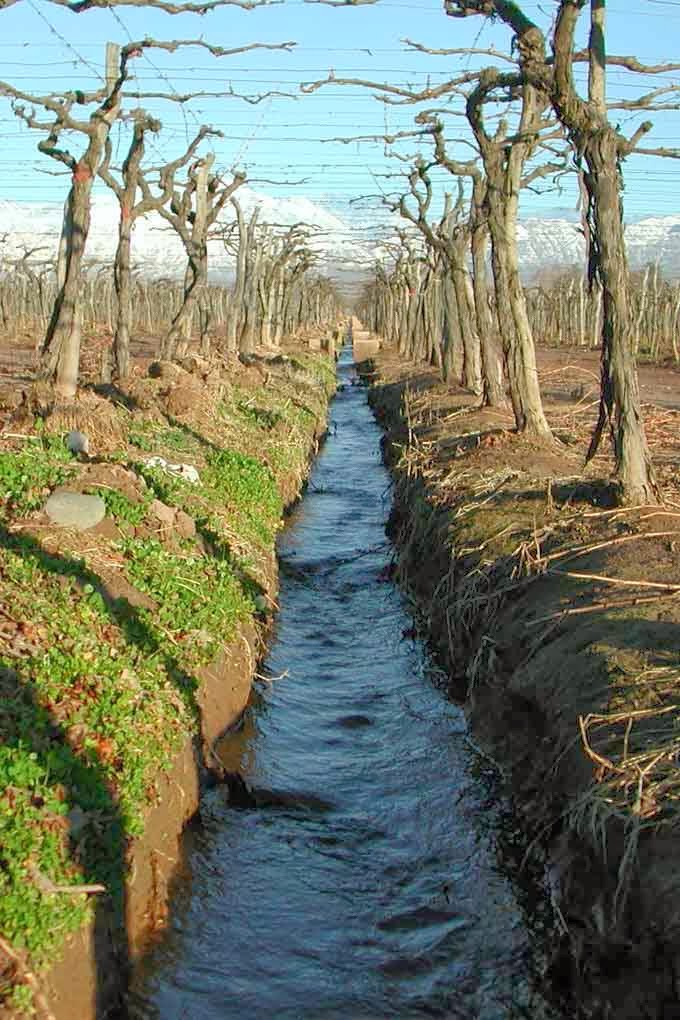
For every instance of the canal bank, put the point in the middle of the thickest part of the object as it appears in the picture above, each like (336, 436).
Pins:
(555, 617)
(362, 867)
(128, 645)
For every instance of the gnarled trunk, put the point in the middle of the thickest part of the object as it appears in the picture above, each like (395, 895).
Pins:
(620, 396)
(492, 357)
(61, 348)
(513, 321)
(195, 280)
(122, 283)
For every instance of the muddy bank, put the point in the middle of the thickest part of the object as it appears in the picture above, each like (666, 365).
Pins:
(557, 618)
(128, 648)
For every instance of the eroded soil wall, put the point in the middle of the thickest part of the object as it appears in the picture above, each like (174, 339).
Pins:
(556, 616)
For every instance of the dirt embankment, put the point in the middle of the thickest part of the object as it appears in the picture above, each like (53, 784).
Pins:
(558, 617)
(128, 648)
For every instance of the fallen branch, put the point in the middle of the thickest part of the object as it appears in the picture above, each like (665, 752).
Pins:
(615, 580)
(46, 884)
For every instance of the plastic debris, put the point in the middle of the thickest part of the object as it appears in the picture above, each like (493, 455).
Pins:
(186, 471)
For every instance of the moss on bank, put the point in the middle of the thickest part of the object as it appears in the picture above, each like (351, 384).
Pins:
(103, 633)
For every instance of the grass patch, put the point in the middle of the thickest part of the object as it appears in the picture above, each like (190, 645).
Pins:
(279, 424)
(90, 715)
(28, 475)
(200, 601)
(234, 486)
(121, 508)
(157, 437)
(246, 488)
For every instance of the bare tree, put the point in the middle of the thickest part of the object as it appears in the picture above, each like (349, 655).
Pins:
(450, 238)
(61, 347)
(478, 225)
(131, 208)
(192, 211)
(504, 156)
(600, 148)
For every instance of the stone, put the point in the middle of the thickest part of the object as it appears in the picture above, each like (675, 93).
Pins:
(163, 513)
(185, 526)
(73, 510)
(77, 442)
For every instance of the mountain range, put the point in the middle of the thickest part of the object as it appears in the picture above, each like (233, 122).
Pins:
(341, 242)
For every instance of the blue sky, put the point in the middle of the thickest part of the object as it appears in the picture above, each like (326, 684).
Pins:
(44, 48)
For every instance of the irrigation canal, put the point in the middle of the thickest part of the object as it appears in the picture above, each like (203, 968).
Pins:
(369, 874)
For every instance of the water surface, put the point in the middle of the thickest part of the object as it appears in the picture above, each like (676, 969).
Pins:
(364, 878)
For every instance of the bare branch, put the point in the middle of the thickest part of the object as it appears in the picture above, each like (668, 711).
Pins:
(545, 170)
(78, 6)
(388, 139)
(647, 101)
(410, 95)
(176, 97)
(633, 64)
(669, 153)
(626, 146)
(459, 51)
(342, 3)
(267, 180)
(217, 51)
(508, 11)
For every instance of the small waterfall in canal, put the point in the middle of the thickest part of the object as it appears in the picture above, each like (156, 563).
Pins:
(363, 877)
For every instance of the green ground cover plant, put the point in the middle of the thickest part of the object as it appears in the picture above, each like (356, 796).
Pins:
(28, 474)
(97, 695)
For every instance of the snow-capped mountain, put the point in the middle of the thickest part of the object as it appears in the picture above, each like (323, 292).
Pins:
(560, 242)
(35, 227)
(343, 244)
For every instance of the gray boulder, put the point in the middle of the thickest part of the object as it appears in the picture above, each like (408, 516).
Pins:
(73, 510)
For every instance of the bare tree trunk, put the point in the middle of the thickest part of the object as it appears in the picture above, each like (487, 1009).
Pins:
(503, 165)
(603, 148)
(247, 343)
(472, 374)
(620, 396)
(122, 284)
(196, 275)
(492, 358)
(452, 360)
(61, 348)
(518, 343)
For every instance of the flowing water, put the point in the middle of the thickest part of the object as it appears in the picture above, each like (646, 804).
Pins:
(363, 876)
